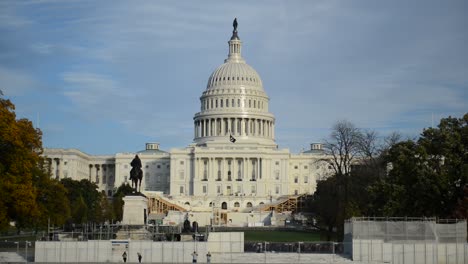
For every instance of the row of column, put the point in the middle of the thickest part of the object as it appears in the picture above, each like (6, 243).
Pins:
(56, 168)
(106, 174)
(216, 169)
(236, 126)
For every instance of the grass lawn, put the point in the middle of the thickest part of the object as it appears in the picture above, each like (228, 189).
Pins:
(281, 236)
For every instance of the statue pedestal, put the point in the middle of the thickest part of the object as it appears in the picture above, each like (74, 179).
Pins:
(135, 210)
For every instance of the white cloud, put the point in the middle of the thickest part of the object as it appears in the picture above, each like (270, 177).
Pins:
(15, 82)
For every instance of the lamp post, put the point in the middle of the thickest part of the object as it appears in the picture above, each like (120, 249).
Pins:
(299, 250)
(17, 247)
(26, 247)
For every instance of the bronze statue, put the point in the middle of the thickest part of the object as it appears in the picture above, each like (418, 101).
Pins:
(234, 24)
(136, 174)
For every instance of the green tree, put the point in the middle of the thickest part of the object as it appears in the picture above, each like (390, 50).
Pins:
(425, 177)
(118, 203)
(54, 206)
(85, 200)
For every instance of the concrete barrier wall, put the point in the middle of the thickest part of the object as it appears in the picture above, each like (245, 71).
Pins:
(409, 252)
(111, 251)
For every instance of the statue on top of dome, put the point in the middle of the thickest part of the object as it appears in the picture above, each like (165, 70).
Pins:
(234, 24)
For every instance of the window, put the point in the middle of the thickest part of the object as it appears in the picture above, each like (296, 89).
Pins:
(224, 205)
(227, 102)
(277, 175)
(306, 179)
(277, 163)
(218, 189)
(238, 102)
(295, 180)
(249, 204)
(236, 204)
(296, 192)
(181, 175)
(277, 189)
(181, 162)
(181, 189)
(305, 167)
(125, 166)
(296, 167)
(221, 103)
(159, 166)
(204, 188)
(253, 189)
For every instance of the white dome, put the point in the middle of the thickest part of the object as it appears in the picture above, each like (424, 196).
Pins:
(234, 73)
(234, 106)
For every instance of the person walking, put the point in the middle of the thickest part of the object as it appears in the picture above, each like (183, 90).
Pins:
(194, 257)
(124, 256)
(208, 257)
(139, 257)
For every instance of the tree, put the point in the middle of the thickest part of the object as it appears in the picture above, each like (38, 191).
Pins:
(343, 147)
(425, 177)
(52, 200)
(20, 149)
(85, 200)
(118, 203)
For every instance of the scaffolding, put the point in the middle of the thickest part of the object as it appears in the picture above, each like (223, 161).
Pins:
(293, 203)
(160, 205)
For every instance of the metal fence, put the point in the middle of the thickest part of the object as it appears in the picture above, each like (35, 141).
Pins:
(406, 240)
(20, 250)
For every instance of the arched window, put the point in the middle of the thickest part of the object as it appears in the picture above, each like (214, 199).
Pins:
(227, 102)
(236, 204)
(261, 203)
(224, 205)
(187, 203)
(211, 204)
(249, 204)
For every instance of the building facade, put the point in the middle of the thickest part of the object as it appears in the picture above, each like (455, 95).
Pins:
(233, 162)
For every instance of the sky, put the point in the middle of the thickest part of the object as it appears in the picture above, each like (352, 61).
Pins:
(108, 76)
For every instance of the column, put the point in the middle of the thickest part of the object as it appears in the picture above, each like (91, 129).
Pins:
(273, 130)
(104, 174)
(53, 168)
(91, 173)
(59, 169)
(247, 127)
(245, 172)
(235, 127)
(97, 172)
(202, 126)
(223, 128)
(242, 127)
(215, 127)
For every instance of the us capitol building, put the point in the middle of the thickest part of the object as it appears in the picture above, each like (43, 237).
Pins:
(231, 173)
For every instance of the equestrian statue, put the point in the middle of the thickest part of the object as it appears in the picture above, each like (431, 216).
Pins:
(136, 174)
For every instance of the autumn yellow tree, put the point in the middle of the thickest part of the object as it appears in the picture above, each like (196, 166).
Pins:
(23, 182)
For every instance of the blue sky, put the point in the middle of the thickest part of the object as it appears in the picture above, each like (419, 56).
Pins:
(108, 76)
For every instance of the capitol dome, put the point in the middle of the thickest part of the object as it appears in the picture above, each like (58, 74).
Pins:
(234, 103)
(235, 73)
